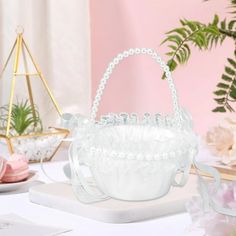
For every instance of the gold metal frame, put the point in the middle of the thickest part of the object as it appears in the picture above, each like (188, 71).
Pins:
(21, 47)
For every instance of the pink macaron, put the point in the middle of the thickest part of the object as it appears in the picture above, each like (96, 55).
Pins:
(17, 169)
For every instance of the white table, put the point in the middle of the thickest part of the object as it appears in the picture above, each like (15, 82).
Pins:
(18, 203)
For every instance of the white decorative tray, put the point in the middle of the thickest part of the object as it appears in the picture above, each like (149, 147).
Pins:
(60, 196)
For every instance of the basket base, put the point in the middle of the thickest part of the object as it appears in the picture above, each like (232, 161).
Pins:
(60, 196)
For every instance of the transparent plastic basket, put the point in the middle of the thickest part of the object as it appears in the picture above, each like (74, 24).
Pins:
(130, 158)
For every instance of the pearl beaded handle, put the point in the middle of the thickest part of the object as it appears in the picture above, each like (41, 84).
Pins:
(117, 60)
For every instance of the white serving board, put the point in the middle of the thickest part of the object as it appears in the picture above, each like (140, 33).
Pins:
(60, 196)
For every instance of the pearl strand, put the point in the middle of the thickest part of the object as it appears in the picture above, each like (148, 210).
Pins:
(117, 60)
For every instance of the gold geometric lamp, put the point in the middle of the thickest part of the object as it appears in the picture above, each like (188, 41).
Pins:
(26, 105)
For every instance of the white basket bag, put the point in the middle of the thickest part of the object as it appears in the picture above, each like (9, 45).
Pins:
(130, 158)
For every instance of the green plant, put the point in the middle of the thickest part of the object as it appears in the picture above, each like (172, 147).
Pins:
(204, 37)
(23, 117)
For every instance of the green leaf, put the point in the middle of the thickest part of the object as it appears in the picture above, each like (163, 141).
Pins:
(234, 82)
(188, 49)
(223, 24)
(220, 92)
(227, 91)
(178, 57)
(172, 47)
(182, 55)
(226, 78)
(191, 25)
(231, 24)
(232, 93)
(201, 37)
(232, 62)
(229, 70)
(170, 53)
(216, 20)
(180, 31)
(222, 38)
(172, 65)
(212, 30)
(220, 100)
(176, 39)
(197, 42)
(219, 109)
(173, 38)
(223, 85)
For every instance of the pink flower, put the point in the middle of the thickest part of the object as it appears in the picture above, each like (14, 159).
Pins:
(213, 223)
(220, 141)
(226, 196)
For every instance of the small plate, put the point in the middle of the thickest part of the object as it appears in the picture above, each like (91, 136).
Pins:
(7, 187)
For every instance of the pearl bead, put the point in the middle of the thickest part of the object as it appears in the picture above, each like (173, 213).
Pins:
(111, 65)
(166, 68)
(154, 55)
(96, 103)
(99, 92)
(102, 86)
(137, 50)
(103, 81)
(168, 74)
(116, 61)
(126, 53)
(144, 50)
(162, 64)
(158, 59)
(131, 51)
(120, 56)
(149, 51)
(106, 76)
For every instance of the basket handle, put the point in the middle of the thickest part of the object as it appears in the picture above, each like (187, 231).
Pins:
(117, 60)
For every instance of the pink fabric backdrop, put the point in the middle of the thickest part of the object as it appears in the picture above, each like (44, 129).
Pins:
(136, 85)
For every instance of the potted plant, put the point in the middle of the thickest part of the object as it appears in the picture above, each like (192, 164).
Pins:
(25, 119)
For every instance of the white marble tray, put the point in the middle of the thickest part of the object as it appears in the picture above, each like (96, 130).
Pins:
(60, 196)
